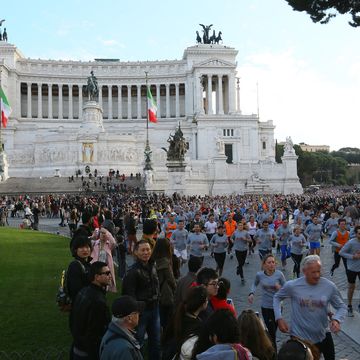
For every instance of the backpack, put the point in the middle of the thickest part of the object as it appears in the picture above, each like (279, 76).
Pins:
(63, 299)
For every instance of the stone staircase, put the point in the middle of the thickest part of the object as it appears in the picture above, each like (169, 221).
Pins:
(51, 185)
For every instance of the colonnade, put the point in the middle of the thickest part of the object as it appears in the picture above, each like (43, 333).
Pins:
(117, 101)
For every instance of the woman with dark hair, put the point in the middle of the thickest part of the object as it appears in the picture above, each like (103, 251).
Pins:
(182, 332)
(162, 257)
(77, 273)
(220, 300)
(254, 336)
(220, 339)
(270, 280)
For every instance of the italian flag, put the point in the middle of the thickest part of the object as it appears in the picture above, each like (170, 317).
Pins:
(152, 109)
(5, 108)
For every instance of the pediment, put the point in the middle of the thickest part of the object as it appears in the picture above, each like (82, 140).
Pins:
(211, 63)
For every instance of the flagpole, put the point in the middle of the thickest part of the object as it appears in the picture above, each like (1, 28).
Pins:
(147, 152)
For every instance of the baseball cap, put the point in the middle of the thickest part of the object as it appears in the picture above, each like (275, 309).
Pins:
(125, 305)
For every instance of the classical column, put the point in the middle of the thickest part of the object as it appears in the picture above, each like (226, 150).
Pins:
(158, 101)
(29, 115)
(80, 100)
(110, 115)
(60, 102)
(138, 101)
(238, 95)
(220, 95)
(39, 101)
(70, 101)
(100, 96)
(119, 102)
(129, 101)
(177, 100)
(232, 100)
(18, 100)
(50, 107)
(167, 100)
(209, 95)
(199, 94)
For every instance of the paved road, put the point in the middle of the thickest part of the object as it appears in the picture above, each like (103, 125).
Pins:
(347, 342)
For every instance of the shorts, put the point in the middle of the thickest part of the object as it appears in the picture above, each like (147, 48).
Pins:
(314, 245)
(181, 254)
(351, 276)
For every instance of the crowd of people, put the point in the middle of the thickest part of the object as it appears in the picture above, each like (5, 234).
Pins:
(168, 316)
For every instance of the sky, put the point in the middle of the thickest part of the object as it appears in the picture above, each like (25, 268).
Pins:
(308, 74)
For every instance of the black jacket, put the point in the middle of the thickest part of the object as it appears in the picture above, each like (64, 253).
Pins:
(89, 319)
(77, 276)
(142, 283)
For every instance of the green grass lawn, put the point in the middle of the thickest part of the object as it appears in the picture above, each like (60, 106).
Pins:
(30, 266)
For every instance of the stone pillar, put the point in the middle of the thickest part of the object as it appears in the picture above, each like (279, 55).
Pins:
(199, 95)
(209, 95)
(138, 101)
(60, 102)
(100, 96)
(129, 101)
(238, 95)
(39, 101)
(80, 100)
(158, 101)
(232, 100)
(110, 115)
(167, 100)
(71, 115)
(220, 95)
(18, 100)
(29, 114)
(119, 102)
(50, 112)
(177, 100)
(176, 178)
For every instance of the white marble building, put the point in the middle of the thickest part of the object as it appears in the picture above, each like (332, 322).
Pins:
(49, 127)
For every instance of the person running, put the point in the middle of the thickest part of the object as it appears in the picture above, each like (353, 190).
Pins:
(338, 239)
(351, 251)
(283, 234)
(252, 227)
(310, 297)
(230, 227)
(178, 240)
(270, 280)
(313, 233)
(210, 227)
(219, 242)
(298, 243)
(197, 242)
(265, 237)
(241, 240)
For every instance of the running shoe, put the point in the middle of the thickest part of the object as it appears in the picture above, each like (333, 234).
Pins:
(243, 281)
(331, 273)
(350, 311)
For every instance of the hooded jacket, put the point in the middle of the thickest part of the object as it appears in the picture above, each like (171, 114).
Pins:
(119, 344)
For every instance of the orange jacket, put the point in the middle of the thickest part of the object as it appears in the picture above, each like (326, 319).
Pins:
(230, 227)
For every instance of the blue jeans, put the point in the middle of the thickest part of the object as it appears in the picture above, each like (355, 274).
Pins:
(149, 322)
(285, 252)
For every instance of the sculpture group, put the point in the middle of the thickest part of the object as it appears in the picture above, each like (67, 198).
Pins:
(3, 35)
(206, 38)
(177, 146)
(92, 88)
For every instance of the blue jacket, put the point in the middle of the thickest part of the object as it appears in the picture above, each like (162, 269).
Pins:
(118, 344)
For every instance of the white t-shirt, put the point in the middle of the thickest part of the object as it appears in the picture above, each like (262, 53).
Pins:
(210, 227)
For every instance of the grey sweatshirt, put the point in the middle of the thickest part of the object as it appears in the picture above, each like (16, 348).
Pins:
(283, 234)
(219, 243)
(179, 239)
(264, 238)
(241, 240)
(196, 243)
(309, 307)
(348, 251)
(268, 286)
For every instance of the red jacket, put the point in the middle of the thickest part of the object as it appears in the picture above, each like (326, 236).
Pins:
(218, 304)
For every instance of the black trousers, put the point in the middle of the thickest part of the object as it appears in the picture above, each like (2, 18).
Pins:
(241, 257)
(269, 319)
(337, 259)
(220, 259)
(326, 347)
(297, 261)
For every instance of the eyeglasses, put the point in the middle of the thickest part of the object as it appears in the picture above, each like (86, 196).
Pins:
(214, 283)
(107, 273)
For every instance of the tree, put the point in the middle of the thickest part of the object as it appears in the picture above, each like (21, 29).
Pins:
(323, 10)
